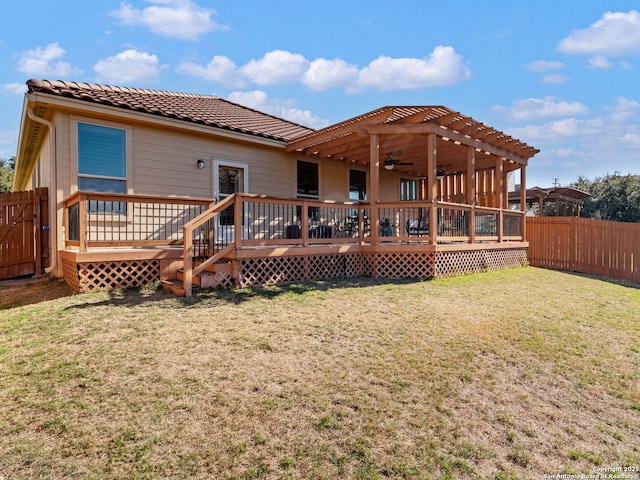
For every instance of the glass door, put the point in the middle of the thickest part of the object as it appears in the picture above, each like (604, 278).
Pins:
(229, 178)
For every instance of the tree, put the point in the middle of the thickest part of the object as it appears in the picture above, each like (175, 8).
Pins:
(614, 197)
(6, 174)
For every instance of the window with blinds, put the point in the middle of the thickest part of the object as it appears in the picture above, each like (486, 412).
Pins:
(102, 163)
(102, 158)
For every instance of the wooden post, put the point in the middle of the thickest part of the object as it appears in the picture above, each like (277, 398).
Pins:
(432, 188)
(374, 190)
(83, 222)
(499, 190)
(187, 238)
(304, 223)
(471, 192)
(523, 200)
(238, 213)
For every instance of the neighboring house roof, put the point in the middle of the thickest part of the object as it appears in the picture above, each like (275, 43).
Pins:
(201, 109)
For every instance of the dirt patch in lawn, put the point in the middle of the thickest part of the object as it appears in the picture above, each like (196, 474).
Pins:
(29, 291)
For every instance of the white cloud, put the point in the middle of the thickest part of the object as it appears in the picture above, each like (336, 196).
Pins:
(541, 108)
(128, 67)
(219, 70)
(13, 88)
(442, 67)
(616, 33)
(622, 112)
(599, 62)
(42, 62)
(171, 18)
(558, 129)
(324, 74)
(544, 66)
(555, 78)
(631, 139)
(276, 68)
(610, 142)
(259, 100)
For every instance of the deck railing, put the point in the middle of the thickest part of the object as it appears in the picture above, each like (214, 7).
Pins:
(108, 220)
(115, 220)
(274, 221)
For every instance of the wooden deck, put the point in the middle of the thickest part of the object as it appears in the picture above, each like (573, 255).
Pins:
(119, 240)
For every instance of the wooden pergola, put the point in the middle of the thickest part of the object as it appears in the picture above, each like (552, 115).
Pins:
(457, 158)
(567, 200)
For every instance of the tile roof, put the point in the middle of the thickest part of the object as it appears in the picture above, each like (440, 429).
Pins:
(201, 109)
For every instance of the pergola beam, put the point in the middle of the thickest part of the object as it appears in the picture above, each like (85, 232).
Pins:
(426, 128)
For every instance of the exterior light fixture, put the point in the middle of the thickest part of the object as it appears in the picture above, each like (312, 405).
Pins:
(389, 166)
(201, 163)
(440, 174)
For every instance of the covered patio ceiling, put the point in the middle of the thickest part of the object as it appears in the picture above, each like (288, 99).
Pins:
(402, 134)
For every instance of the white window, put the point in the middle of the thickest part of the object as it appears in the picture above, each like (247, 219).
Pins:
(102, 158)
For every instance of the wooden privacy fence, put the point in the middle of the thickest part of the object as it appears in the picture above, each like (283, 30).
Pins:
(595, 247)
(24, 236)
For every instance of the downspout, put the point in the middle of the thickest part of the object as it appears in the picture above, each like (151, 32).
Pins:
(53, 208)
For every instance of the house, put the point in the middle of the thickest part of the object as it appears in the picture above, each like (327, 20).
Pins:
(194, 189)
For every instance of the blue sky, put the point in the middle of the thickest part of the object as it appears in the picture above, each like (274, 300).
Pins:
(561, 76)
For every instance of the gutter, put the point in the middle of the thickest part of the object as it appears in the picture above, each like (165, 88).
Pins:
(53, 207)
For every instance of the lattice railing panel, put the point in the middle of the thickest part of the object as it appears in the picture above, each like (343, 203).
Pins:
(405, 265)
(110, 275)
(460, 263)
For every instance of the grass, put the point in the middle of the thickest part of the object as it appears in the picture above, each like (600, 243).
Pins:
(501, 375)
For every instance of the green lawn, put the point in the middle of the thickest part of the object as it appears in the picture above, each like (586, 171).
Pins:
(502, 375)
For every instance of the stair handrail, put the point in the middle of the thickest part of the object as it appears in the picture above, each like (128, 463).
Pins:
(187, 231)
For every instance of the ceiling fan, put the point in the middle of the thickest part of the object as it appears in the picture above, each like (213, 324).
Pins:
(390, 163)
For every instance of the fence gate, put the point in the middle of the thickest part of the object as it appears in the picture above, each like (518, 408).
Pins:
(24, 236)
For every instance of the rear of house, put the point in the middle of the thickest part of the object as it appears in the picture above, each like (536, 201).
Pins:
(194, 151)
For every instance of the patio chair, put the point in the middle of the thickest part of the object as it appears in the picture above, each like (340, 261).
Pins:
(418, 226)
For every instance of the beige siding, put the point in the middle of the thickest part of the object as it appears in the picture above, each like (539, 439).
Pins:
(163, 162)
(389, 186)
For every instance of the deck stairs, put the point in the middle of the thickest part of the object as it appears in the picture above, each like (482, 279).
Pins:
(206, 279)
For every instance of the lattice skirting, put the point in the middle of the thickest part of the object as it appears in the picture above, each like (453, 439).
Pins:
(460, 263)
(70, 274)
(85, 277)
(404, 265)
(419, 265)
(274, 270)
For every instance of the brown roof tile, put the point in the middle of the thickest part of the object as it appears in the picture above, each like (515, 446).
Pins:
(202, 109)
